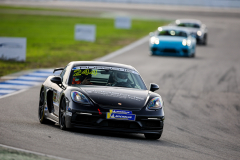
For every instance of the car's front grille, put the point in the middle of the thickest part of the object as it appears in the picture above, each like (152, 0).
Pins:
(100, 121)
(120, 124)
(185, 51)
(85, 119)
(151, 124)
(170, 50)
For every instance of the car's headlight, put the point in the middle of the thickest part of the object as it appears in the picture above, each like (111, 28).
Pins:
(184, 42)
(155, 103)
(154, 40)
(199, 33)
(189, 42)
(79, 97)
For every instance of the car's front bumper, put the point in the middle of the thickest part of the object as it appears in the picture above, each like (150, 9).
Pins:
(180, 51)
(142, 124)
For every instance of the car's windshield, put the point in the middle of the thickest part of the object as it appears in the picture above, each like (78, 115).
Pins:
(106, 76)
(172, 33)
(191, 25)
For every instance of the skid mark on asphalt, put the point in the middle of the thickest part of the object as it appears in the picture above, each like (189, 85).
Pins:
(24, 82)
(183, 80)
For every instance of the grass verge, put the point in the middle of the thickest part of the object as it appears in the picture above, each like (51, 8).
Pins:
(10, 154)
(50, 39)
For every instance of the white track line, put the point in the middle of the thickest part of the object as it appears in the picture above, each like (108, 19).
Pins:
(31, 78)
(124, 49)
(39, 74)
(23, 82)
(13, 93)
(14, 86)
(32, 152)
(7, 91)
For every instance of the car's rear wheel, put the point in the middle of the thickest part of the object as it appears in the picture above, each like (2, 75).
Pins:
(41, 113)
(153, 135)
(62, 122)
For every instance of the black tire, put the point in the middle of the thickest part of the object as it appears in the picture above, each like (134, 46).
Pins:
(205, 40)
(153, 135)
(41, 113)
(193, 55)
(62, 110)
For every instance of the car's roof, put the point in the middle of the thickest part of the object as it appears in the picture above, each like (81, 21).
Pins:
(97, 63)
(175, 28)
(188, 21)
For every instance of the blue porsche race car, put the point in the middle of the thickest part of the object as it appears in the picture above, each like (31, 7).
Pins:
(172, 41)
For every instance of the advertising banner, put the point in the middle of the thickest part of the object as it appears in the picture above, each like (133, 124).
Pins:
(85, 32)
(123, 22)
(13, 48)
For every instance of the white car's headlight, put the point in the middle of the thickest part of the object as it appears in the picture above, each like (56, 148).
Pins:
(189, 42)
(199, 33)
(184, 42)
(155, 103)
(154, 40)
(79, 97)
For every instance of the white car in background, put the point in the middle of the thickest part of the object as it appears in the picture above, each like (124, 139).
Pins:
(196, 27)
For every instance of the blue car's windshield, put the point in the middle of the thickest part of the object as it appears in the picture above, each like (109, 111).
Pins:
(106, 76)
(172, 33)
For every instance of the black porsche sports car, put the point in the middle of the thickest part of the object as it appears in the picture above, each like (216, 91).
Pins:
(101, 95)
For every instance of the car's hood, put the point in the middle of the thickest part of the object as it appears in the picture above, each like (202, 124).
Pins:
(117, 97)
(170, 38)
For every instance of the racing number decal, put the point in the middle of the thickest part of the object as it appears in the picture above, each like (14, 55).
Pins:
(79, 72)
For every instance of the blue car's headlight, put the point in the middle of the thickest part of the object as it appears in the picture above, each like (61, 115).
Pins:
(155, 103)
(79, 97)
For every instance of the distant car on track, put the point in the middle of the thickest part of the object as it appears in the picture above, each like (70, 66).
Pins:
(102, 95)
(172, 41)
(196, 27)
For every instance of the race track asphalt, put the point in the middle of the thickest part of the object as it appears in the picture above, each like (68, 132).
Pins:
(201, 95)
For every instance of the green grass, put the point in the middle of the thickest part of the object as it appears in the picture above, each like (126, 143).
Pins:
(31, 8)
(50, 39)
(10, 154)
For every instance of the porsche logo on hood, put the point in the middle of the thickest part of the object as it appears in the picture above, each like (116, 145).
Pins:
(119, 104)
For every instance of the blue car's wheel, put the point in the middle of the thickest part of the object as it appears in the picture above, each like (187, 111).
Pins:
(193, 55)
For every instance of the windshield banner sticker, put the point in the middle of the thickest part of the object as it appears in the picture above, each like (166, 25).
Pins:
(105, 68)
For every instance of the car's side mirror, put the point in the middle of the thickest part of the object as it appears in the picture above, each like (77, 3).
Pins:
(56, 80)
(153, 87)
(151, 34)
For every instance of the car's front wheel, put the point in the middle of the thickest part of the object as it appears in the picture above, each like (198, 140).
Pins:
(205, 40)
(153, 135)
(62, 108)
